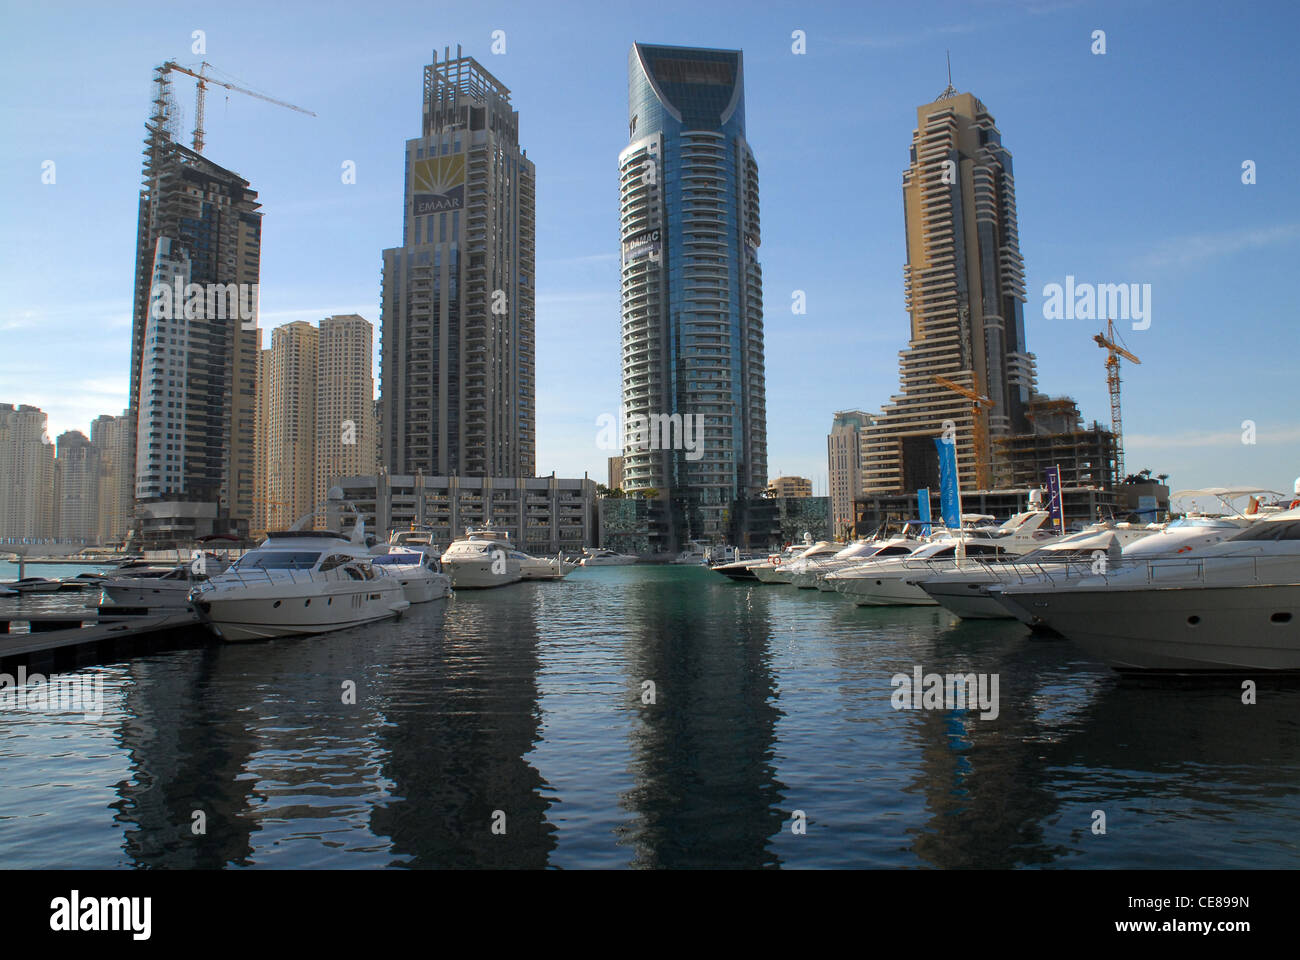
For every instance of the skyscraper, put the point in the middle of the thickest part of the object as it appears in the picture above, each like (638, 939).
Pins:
(345, 401)
(194, 345)
(112, 438)
(457, 322)
(26, 473)
(964, 288)
(291, 423)
(76, 487)
(844, 468)
(692, 290)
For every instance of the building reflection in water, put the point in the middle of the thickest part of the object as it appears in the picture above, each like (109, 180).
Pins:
(460, 722)
(1072, 735)
(702, 755)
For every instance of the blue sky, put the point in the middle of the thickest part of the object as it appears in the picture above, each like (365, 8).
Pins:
(1128, 170)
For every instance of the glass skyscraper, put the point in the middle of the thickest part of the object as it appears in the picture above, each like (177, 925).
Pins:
(692, 291)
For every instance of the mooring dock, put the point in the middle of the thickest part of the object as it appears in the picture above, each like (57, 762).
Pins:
(104, 635)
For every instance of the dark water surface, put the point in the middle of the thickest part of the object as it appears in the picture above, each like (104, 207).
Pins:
(527, 700)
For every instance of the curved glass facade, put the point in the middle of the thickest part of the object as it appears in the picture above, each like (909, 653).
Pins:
(692, 320)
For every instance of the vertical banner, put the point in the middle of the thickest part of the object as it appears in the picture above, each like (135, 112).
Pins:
(923, 510)
(949, 504)
(1055, 508)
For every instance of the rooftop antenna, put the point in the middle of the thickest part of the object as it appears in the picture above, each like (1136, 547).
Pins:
(950, 90)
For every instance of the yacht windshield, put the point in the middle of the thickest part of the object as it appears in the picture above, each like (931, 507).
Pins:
(278, 560)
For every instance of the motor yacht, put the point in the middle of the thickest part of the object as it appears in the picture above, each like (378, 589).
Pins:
(1229, 607)
(418, 571)
(144, 583)
(695, 554)
(816, 569)
(33, 585)
(741, 570)
(893, 581)
(483, 558)
(592, 557)
(785, 571)
(546, 568)
(961, 590)
(766, 571)
(300, 581)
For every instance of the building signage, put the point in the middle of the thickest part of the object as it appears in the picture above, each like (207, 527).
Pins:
(438, 184)
(639, 245)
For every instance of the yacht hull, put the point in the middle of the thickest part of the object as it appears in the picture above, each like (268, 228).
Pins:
(472, 573)
(242, 618)
(424, 589)
(137, 592)
(1214, 629)
(966, 598)
(885, 590)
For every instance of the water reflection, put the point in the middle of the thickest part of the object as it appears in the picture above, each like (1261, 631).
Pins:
(461, 716)
(706, 793)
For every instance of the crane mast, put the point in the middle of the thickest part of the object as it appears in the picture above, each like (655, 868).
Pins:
(1114, 351)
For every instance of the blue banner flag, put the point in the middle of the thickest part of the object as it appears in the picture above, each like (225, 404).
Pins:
(949, 504)
(1055, 507)
(923, 510)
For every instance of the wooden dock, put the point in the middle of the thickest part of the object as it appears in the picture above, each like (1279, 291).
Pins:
(69, 640)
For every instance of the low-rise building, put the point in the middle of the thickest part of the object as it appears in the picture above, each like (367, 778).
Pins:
(543, 515)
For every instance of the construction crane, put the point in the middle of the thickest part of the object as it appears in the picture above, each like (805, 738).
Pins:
(978, 402)
(1107, 342)
(200, 92)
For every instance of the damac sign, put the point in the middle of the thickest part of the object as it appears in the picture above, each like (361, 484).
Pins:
(438, 184)
(641, 245)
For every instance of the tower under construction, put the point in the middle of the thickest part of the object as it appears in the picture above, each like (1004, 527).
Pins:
(194, 339)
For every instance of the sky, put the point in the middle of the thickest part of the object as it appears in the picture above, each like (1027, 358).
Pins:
(1128, 168)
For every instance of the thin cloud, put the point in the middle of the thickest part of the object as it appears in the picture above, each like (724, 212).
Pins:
(1228, 438)
(1197, 248)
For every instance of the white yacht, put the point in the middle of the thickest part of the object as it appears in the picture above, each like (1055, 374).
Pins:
(1233, 606)
(144, 583)
(1133, 543)
(546, 568)
(418, 571)
(483, 558)
(893, 581)
(766, 571)
(593, 557)
(961, 590)
(695, 554)
(296, 582)
(815, 570)
(785, 571)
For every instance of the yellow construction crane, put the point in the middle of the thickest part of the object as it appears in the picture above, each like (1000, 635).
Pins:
(200, 92)
(269, 503)
(1107, 342)
(977, 402)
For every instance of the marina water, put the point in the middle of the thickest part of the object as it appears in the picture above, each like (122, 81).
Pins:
(514, 728)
